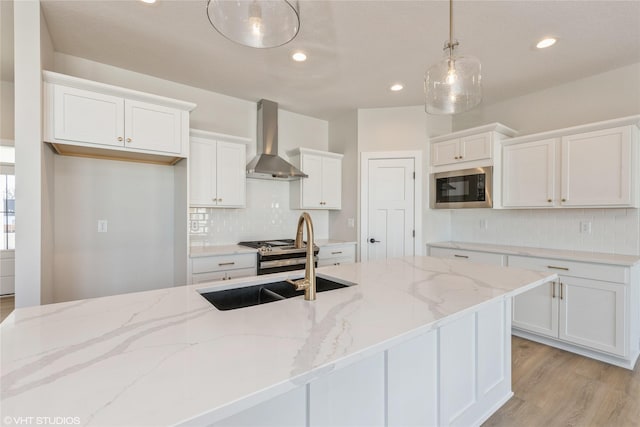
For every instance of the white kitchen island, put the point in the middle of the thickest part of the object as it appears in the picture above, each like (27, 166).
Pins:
(418, 341)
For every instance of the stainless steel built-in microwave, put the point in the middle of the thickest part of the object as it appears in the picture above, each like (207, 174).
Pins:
(468, 188)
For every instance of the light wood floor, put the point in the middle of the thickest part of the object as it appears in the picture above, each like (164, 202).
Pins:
(6, 306)
(556, 388)
(553, 388)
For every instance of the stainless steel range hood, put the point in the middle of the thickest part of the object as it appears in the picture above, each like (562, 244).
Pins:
(267, 164)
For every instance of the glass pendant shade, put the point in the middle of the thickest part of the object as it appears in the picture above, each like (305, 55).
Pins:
(453, 85)
(255, 23)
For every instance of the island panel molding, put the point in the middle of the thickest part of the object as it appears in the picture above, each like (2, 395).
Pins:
(203, 366)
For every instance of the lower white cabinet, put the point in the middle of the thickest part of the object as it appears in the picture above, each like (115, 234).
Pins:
(576, 309)
(223, 267)
(473, 256)
(455, 374)
(337, 254)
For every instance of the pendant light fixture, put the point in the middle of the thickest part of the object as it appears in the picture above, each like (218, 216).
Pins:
(255, 23)
(453, 85)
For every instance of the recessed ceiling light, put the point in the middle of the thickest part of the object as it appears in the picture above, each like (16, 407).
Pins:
(299, 56)
(396, 87)
(148, 1)
(547, 42)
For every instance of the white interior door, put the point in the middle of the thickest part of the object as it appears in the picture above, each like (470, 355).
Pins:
(391, 201)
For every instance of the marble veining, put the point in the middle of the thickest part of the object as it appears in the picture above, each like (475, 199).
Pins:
(169, 357)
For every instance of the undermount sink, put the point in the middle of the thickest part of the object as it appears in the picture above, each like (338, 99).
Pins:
(231, 299)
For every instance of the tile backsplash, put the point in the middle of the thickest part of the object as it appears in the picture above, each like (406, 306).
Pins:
(267, 216)
(611, 230)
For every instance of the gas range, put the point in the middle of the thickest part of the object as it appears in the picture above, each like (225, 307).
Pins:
(279, 255)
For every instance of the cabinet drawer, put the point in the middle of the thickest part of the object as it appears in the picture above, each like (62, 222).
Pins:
(607, 273)
(347, 252)
(480, 257)
(222, 275)
(223, 263)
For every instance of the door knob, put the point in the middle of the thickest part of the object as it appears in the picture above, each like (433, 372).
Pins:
(372, 240)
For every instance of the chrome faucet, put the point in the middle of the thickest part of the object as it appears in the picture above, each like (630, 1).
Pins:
(308, 284)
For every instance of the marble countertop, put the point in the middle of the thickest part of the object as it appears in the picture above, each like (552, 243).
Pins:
(582, 256)
(168, 357)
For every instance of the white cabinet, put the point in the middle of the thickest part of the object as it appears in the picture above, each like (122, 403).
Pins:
(463, 149)
(217, 176)
(475, 147)
(597, 167)
(92, 119)
(569, 168)
(529, 174)
(223, 267)
(323, 188)
(337, 254)
(472, 256)
(582, 311)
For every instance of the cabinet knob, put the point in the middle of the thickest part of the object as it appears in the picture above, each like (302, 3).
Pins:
(128, 139)
(549, 200)
(456, 157)
(460, 157)
(564, 200)
(219, 200)
(120, 138)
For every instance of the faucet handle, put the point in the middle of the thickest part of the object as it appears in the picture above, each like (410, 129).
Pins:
(300, 285)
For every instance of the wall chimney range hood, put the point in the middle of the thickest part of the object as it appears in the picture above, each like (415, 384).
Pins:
(267, 164)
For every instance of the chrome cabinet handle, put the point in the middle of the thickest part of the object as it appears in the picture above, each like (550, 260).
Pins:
(460, 256)
(558, 268)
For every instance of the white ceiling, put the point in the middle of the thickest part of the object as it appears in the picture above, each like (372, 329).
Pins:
(356, 49)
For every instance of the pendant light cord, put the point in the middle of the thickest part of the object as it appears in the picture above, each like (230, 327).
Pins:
(450, 24)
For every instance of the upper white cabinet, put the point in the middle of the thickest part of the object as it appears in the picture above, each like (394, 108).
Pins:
(217, 175)
(323, 188)
(88, 118)
(473, 147)
(577, 167)
(529, 174)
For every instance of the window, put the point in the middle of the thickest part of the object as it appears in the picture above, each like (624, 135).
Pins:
(8, 190)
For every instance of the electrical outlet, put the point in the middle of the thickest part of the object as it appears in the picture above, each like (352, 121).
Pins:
(194, 226)
(102, 226)
(585, 227)
(484, 224)
(351, 223)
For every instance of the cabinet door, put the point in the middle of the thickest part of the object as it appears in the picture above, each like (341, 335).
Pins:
(152, 127)
(311, 186)
(475, 147)
(592, 314)
(596, 168)
(479, 257)
(202, 161)
(528, 177)
(537, 310)
(231, 175)
(445, 152)
(331, 183)
(84, 116)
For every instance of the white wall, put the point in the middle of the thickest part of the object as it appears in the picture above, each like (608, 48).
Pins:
(612, 230)
(7, 116)
(605, 96)
(407, 128)
(343, 139)
(136, 252)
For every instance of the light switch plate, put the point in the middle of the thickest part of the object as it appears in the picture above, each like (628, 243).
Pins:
(102, 226)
